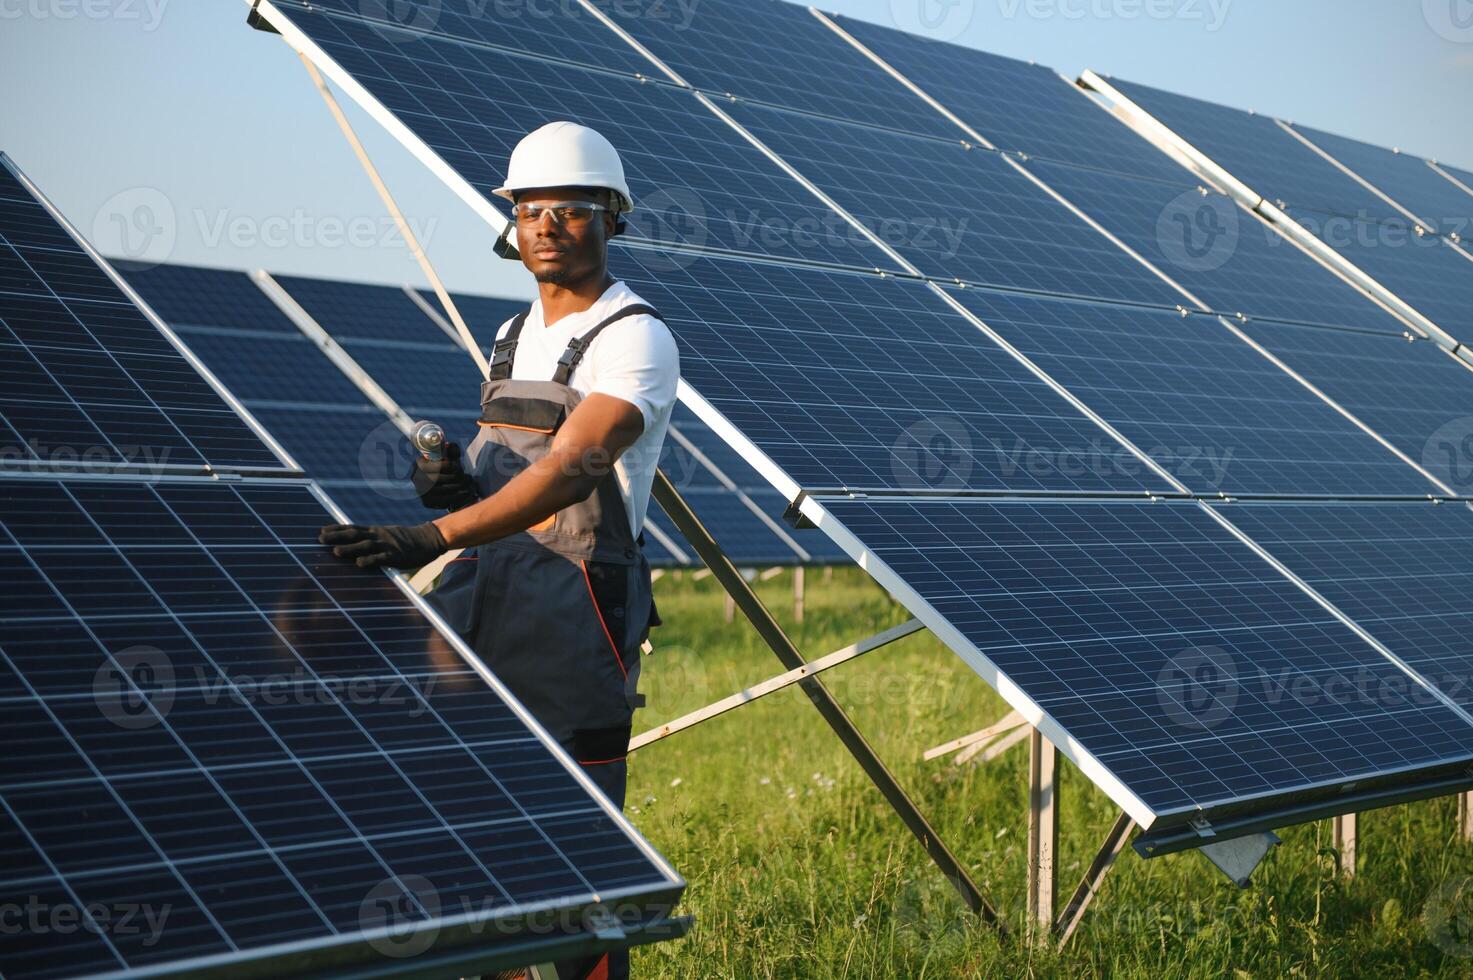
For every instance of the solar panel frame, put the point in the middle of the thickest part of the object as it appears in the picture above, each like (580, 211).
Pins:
(277, 506)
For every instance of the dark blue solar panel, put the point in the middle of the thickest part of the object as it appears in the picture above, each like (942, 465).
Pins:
(695, 180)
(483, 314)
(1098, 612)
(777, 52)
(423, 379)
(1404, 178)
(187, 295)
(1015, 105)
(1422, 271)
(730, 464)
(1401, 571)
(84, 375)
(224, 723)
(1213, 412)
(1409, 392)
(1254, 149)
(561, 31)
(861, 382)
(327, 424)
(364, 310)
(954, 212)
(1230, 260)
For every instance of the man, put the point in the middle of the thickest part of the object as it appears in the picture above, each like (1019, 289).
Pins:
(553, 591)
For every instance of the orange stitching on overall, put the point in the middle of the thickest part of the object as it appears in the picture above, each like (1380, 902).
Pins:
(583, 563)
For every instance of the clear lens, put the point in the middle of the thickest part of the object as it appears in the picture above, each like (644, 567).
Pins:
(569, 214)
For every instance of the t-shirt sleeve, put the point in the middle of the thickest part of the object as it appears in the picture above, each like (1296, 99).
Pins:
(637, 360)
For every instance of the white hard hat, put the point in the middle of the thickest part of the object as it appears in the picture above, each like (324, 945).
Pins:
(565, 154)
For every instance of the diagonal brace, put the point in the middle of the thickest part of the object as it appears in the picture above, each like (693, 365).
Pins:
(772, 634)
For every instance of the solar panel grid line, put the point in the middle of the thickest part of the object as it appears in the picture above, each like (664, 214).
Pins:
(136, 304)
(1347, 413)
(1401, 664)
(1427, 224)
(731, 487)
(334, 351)
(1179, 149)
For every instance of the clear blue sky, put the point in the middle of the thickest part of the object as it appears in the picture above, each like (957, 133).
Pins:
(175, 104)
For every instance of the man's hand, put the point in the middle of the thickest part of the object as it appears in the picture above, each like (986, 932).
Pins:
(385, 545)
(442, 483)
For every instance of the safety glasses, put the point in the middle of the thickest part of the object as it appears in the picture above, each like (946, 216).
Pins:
(569, 214)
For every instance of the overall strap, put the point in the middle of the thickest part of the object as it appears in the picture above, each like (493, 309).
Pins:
(578, 346)
(505, 350)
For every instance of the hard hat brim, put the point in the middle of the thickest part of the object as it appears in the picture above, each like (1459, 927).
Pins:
(626, 203)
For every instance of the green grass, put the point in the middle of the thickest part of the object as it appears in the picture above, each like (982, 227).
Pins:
(798, 868)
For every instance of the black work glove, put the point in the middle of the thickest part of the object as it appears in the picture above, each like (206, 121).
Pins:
(385, 545)
(442, 483)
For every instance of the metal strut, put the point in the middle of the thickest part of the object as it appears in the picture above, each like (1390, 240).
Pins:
(772, 634)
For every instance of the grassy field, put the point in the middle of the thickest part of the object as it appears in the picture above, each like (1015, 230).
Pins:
(798, 868)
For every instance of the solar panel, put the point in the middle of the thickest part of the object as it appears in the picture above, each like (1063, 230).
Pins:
(328, 425)
(1402, 572)
(779, 53)
(1227, 258)
(1411, 393)
(1423, 271)
(954, 212)
(1215, 413)
(1017, 106)
(860, 382)
(85, 377)
(1179, 670)
(1254, 149)
(483, 314)
(273, 751)
(1404, 178)
(360, 310)
(695, 180)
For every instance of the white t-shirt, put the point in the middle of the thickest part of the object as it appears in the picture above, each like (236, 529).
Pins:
(634, 359)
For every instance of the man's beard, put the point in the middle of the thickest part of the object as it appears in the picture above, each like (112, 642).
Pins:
(554, 276)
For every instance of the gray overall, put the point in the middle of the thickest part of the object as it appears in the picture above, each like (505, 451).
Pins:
(559, 611)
